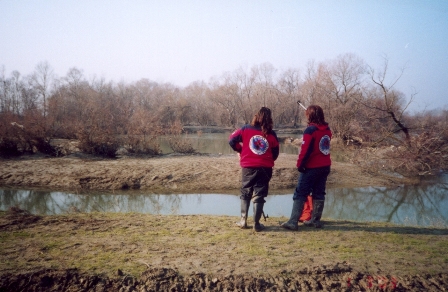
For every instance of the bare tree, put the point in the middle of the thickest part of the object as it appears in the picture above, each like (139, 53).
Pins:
(41, 81)
(266, 91)
(337, 86)
(420, 150)
(245, 87)
(16, 86)
(289, 85)
(392, 101)
(225, 95)
(201, 109)
(145, 92)
(3, 90)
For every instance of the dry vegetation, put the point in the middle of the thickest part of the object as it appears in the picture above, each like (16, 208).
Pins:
(364, 112)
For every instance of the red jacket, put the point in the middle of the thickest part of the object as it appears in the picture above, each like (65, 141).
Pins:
(255, 150)
(315, 150)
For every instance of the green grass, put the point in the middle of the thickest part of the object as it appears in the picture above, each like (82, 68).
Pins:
(106, 242)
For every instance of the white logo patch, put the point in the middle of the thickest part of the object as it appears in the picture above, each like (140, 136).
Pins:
(324, 145)
(258, 144)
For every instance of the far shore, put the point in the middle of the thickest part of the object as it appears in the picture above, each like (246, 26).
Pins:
(172, 173)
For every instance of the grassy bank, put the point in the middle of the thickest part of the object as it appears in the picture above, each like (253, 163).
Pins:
(107, 242)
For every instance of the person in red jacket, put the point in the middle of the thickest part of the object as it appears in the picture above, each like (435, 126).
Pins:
(258, 148)
(314, 164)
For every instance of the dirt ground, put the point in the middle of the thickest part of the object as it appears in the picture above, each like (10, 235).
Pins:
(166, 174)
(70, 252)
(166, 279)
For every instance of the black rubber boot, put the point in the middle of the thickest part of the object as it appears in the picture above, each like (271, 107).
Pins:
(244, 212)
(258, 211)
(297, 209)
(318, 208)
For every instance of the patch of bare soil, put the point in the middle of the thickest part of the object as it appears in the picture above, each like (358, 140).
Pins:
(164, 279)
(166, 174)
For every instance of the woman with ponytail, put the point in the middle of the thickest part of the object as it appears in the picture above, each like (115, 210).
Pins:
(258, 148)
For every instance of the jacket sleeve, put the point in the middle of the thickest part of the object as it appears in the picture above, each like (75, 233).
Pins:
(305, 150)
(276, 148)
(235, 139)
(275, 152)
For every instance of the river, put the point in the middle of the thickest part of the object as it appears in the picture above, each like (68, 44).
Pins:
(423, 205)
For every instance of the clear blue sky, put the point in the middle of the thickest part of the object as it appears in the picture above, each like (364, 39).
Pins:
(186, 41)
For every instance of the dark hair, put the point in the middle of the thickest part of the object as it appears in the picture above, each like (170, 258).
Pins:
(263, 119)
(315, 114)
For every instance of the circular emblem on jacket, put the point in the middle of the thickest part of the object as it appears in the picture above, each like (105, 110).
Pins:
(258, 144)
(324, 145)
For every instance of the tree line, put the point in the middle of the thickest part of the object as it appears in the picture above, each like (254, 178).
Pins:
(361, 103)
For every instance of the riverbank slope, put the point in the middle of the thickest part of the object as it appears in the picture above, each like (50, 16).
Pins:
(166, 174)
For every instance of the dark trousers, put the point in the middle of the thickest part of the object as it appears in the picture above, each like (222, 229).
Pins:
(312, 181)
(255, 183)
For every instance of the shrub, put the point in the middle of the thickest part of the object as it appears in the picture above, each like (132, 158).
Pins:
(105, 149)
(141, 144)
(180, 145)
(99, 145)
(425, 154)
(176, 142)
(9, 147)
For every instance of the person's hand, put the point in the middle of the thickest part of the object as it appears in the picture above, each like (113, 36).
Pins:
(301, 169)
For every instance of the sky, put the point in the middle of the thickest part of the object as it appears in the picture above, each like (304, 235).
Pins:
(185, 41)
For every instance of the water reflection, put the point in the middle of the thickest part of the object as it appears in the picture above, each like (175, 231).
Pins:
(424, 205)
(407, 205)
(215, 143)
(50, 203)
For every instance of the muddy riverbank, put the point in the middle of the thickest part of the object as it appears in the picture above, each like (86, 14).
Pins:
(166, 174)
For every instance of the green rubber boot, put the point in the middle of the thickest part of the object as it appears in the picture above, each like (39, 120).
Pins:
(318, 208)
(244, 212)
(258, 211)
(297, 209)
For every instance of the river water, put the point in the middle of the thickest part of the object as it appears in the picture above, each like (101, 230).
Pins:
(424, 205)
(215, 143)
